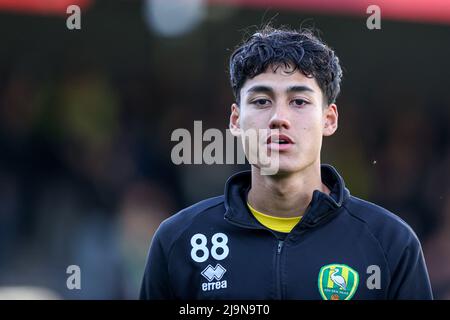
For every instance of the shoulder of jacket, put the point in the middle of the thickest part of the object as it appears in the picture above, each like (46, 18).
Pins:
(382, 223)
(173, 227)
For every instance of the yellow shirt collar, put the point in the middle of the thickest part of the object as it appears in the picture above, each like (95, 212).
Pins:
(275, 223)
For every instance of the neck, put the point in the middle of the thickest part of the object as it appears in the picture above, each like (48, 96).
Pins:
(285, 195)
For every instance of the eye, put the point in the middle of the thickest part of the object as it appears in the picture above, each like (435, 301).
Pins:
(299, 102)
(261, 102)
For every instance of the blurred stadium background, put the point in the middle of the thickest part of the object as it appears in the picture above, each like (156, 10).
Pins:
(86, 118)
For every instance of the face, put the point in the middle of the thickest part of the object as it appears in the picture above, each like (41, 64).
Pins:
(292, 109)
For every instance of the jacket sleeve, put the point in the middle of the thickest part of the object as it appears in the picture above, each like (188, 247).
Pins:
(409, 278)
(155, 283)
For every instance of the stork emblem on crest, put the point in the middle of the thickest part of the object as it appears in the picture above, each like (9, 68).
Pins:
(337, 282)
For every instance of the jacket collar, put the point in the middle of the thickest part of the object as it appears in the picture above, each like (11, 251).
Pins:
(321, 208)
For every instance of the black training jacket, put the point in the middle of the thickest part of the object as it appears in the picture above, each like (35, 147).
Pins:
(343, 248)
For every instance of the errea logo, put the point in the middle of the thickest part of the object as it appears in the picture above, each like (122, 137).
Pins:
(211, 273)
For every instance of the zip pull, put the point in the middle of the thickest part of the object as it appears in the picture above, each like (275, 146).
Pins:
(280, 246)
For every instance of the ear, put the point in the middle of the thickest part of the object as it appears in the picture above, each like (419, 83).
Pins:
(330, 120)
(234, 120)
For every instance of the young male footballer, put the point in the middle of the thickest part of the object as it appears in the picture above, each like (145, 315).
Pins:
(298, 233)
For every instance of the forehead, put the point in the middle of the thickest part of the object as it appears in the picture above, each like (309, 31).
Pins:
(280, 78)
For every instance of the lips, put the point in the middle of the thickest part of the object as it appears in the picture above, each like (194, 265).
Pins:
(279, 139)
(279, 142)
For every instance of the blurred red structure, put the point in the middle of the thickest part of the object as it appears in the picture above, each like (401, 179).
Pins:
(58, 7)
(435, 11)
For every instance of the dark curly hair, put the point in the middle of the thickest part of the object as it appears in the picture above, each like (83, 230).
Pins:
(301, 50)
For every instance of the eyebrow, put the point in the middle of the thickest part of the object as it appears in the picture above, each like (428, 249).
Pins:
(269, 90)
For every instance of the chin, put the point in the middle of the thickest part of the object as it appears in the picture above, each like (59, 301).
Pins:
(285, 169)
(291, 166)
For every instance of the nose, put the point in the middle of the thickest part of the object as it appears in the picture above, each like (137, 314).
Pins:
(280, 119)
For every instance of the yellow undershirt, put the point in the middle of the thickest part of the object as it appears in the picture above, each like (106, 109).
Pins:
(275, 223)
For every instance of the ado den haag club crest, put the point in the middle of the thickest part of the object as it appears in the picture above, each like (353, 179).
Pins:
(337, 282)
